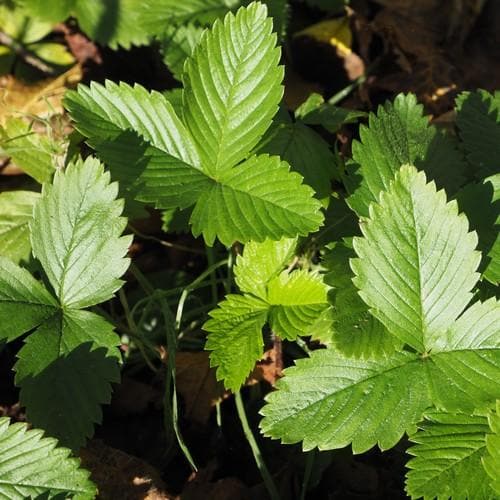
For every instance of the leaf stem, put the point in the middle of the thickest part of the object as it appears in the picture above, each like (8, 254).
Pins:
(259, 460)
(310, 457)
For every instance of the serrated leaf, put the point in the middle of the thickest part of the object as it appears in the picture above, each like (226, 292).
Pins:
(400, 134)
(354, 331)
(417, 262)
(24, 302)
(253, 202)
(261, 262)
(65, 371)
(30, 151)
(329, 401)
(32, 465)
(305, 151)
(75, 234)
(16, 208)
(491, 460)
(296, 300)
(235, 337)
(479, 124)
(448, 451)
(232, 87)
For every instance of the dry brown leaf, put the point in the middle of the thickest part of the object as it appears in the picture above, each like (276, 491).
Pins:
(197, 385)
(269, 368)
(41, 99)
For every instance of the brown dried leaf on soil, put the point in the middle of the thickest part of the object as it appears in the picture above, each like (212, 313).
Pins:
(120, 475)
(269, 368)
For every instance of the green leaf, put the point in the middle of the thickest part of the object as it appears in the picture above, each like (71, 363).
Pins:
(235, 337)
(261, 262)
(232, 88)
(178, 45)
(24, 302)
(16, 208)
(32, 465)
(479, 124)
(491, 460)
(305, 151)
(75, 235)
(417, 262)
(355, 332)
(297, 300)
(481, 204)
(448, 451)
(33, 152)
(253, 202)
(330, 401)
(400, 134)
(65, 371)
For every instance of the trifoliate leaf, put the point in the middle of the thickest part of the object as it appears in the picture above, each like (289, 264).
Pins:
(75, 234)
(355, 332)
(491, 460)
(32, 152)
(448, 451)
(479, 125)
(65, 371)
(261, 262)
(297, 300)
(417, 262)
(235, 337)
(305, 151)
(330, 401)
(232, 87)
(253, 202)
(400, 134)
(24, 302)
(32, 465)
(16, 208)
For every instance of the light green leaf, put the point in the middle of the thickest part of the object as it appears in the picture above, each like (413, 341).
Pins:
(16, 208)
(232, 87)
(32, 465)
(448, 452)
(261, 262)
(32, 152)
(479, 124)
(65, 371)
(305, 151)
(417, 262)
(354, 331)
(253, 202)
(235, 337)
(53, 53)
(329, 401)
(400, 134)
(297, 300)
(465, 363)
(24, 302)
(491, 460)
(75, 235)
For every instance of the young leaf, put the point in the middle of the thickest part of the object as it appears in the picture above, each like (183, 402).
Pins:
(417, 262)
(261, 262)
(330, 401)
(491, 460)
(400, 134)
(232, 87)
(448, 451)
(16, 208)
(32, 465)
(297, 300)
(235, 337)
(75, 234)
(252, 202)
(65, 371)
(24, 302)
(479, 124)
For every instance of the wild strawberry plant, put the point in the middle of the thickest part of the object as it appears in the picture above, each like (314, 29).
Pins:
(383, 267)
